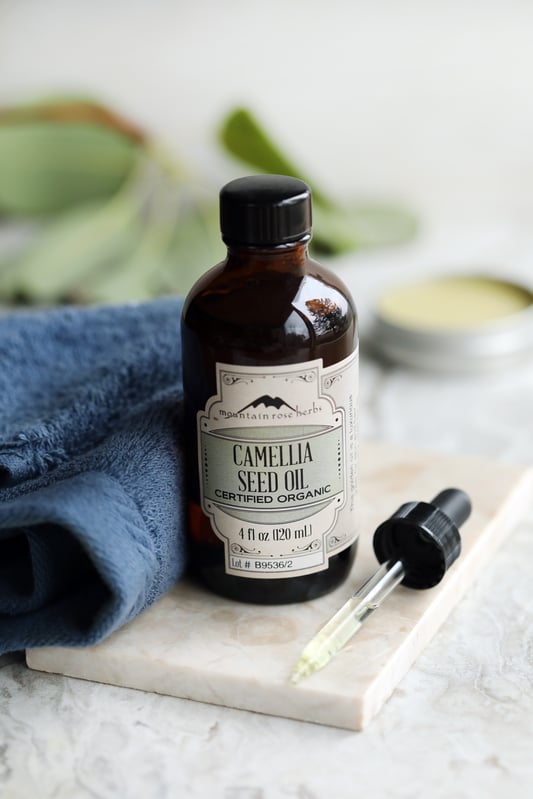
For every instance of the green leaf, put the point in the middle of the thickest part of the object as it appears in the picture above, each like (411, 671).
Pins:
(178, 241)
(336, 229)
(243, 137)
(195, 248)
(136, 275)
(339, 230)
(49, 166)
(89, 238)
(71, 111)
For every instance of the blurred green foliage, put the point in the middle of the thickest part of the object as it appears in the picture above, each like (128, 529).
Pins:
(121, 220)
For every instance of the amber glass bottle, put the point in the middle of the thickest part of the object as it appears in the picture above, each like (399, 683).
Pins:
(270, 379)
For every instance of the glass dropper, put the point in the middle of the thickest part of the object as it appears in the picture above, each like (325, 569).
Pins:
(347, 620)
(415, 546)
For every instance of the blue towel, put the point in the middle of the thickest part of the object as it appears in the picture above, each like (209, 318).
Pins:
(91, 500)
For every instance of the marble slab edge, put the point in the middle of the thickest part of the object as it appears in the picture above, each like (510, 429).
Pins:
(458, 581)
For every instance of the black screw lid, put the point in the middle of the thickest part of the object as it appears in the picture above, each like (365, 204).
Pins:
(265, 210)
(424, 536)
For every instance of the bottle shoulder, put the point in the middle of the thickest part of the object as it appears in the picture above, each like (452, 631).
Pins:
(273, 315)
(269, 294)
(202, 285)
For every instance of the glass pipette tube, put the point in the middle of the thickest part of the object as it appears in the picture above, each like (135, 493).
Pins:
(348, 620)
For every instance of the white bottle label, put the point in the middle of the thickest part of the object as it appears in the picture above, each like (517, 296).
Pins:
(278, 465)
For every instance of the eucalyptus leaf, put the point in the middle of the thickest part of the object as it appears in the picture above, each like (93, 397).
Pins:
(128, 279)
(71, 110)
(126, 221)
(48, 166)
(336, 228)
(244, 137)
(178, 241)
(134, 276)
(88, 238)
(196, 247)
(343, 229)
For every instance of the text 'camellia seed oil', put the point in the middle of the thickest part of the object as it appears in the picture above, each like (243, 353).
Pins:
(270, 355)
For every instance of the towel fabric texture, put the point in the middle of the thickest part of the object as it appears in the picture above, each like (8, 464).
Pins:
(91, 498)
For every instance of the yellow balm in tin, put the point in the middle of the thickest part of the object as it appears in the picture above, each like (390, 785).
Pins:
(456, 323)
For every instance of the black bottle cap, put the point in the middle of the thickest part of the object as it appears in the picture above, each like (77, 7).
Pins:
(265, 210)
(424, 536)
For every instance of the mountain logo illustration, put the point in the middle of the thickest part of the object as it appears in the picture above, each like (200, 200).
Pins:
(268, 402)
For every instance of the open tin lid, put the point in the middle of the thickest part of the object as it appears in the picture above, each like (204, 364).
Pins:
(456, 323)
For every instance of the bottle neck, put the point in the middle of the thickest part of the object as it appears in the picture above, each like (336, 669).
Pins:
(293, 254)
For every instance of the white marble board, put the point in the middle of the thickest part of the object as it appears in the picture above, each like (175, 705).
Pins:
(195, 645)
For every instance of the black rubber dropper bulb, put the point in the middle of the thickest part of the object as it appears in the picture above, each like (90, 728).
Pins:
(416, 546)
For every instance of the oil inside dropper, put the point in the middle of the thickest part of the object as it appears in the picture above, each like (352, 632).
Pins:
(347, 620)
(416, 546)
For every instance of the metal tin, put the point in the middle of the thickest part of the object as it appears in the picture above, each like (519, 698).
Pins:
(501, 342)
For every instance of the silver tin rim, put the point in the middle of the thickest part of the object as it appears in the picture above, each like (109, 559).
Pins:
(490, 345)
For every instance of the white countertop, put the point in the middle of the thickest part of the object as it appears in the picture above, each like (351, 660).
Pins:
(459, 725)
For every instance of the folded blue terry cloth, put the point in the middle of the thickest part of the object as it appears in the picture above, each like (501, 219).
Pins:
(91, 504)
